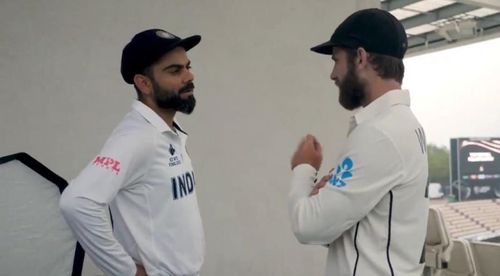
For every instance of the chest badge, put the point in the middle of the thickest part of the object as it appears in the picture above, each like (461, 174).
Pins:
(174, 159)
(171, 150)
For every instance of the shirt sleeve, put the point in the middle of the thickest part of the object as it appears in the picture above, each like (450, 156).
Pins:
(370, 167)
(84, 203)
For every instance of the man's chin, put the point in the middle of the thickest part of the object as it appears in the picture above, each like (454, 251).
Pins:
(187, 110)
(348, 105)
(188, 105)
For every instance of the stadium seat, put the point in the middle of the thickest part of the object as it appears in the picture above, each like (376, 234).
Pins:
(461, 261)
(438, 245)
(486, 256)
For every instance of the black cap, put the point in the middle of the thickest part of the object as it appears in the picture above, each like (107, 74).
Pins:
(375, 30)
(147, 47)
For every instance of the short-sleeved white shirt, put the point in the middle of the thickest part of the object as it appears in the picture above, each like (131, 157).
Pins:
(373, 212)
(145, 175)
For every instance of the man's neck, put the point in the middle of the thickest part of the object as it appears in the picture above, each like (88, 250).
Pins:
(166, 114)
(379, 87)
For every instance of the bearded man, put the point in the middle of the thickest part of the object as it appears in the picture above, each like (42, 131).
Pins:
(143, 172)
(371, 211)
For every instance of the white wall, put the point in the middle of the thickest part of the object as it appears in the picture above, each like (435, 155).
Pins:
(259, 90)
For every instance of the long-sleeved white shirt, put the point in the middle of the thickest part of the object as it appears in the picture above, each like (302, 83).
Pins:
(144, 174)
(373, 212)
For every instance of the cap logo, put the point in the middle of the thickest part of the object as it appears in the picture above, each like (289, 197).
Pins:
(164, 34)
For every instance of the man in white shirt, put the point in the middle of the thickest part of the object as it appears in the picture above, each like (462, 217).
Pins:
(371, 211)
(143, 172)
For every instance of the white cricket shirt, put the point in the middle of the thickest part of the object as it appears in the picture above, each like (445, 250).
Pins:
(145, 176)
(373, 212)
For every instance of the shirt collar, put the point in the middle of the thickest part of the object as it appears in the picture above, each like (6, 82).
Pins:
(381, 104)
(154, 118)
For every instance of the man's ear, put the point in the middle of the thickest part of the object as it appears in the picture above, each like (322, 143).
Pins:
(144, 84)
(362, 57)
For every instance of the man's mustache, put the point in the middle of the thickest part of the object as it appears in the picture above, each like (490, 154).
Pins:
(187, 88)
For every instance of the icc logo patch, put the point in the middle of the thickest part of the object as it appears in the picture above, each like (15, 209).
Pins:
(343, 172)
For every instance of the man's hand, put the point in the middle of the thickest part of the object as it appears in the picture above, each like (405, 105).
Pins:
(308, 152)
(140, 270)
(320, 184)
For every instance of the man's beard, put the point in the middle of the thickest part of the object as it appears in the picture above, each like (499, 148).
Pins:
(352, 92)
(170, 99)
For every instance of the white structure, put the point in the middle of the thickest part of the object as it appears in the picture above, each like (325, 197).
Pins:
(34, 238)
(259, 91)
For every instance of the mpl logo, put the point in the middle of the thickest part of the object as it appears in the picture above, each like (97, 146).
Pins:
(108, 163)
(343, 172)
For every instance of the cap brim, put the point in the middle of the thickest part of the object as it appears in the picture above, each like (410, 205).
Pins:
(324, 48)
(188, 42)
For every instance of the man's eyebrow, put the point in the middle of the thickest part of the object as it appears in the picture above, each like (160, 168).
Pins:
(177, 66)
(173, 66)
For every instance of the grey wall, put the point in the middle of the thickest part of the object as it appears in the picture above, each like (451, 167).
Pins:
(259, 91)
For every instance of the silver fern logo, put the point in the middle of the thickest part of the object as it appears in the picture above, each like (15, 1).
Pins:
(343, 172)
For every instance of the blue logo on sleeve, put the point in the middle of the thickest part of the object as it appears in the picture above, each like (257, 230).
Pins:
(343, 172)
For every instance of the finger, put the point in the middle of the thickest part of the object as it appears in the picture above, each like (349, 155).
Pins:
(326, 178)
(317, 146)
(314, 191)
(310, 141)
(310, 138)
(313, 142)
(302, 141)
(321, 184)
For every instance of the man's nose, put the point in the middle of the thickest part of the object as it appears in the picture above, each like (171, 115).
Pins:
(333, 77)
(188, 77)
